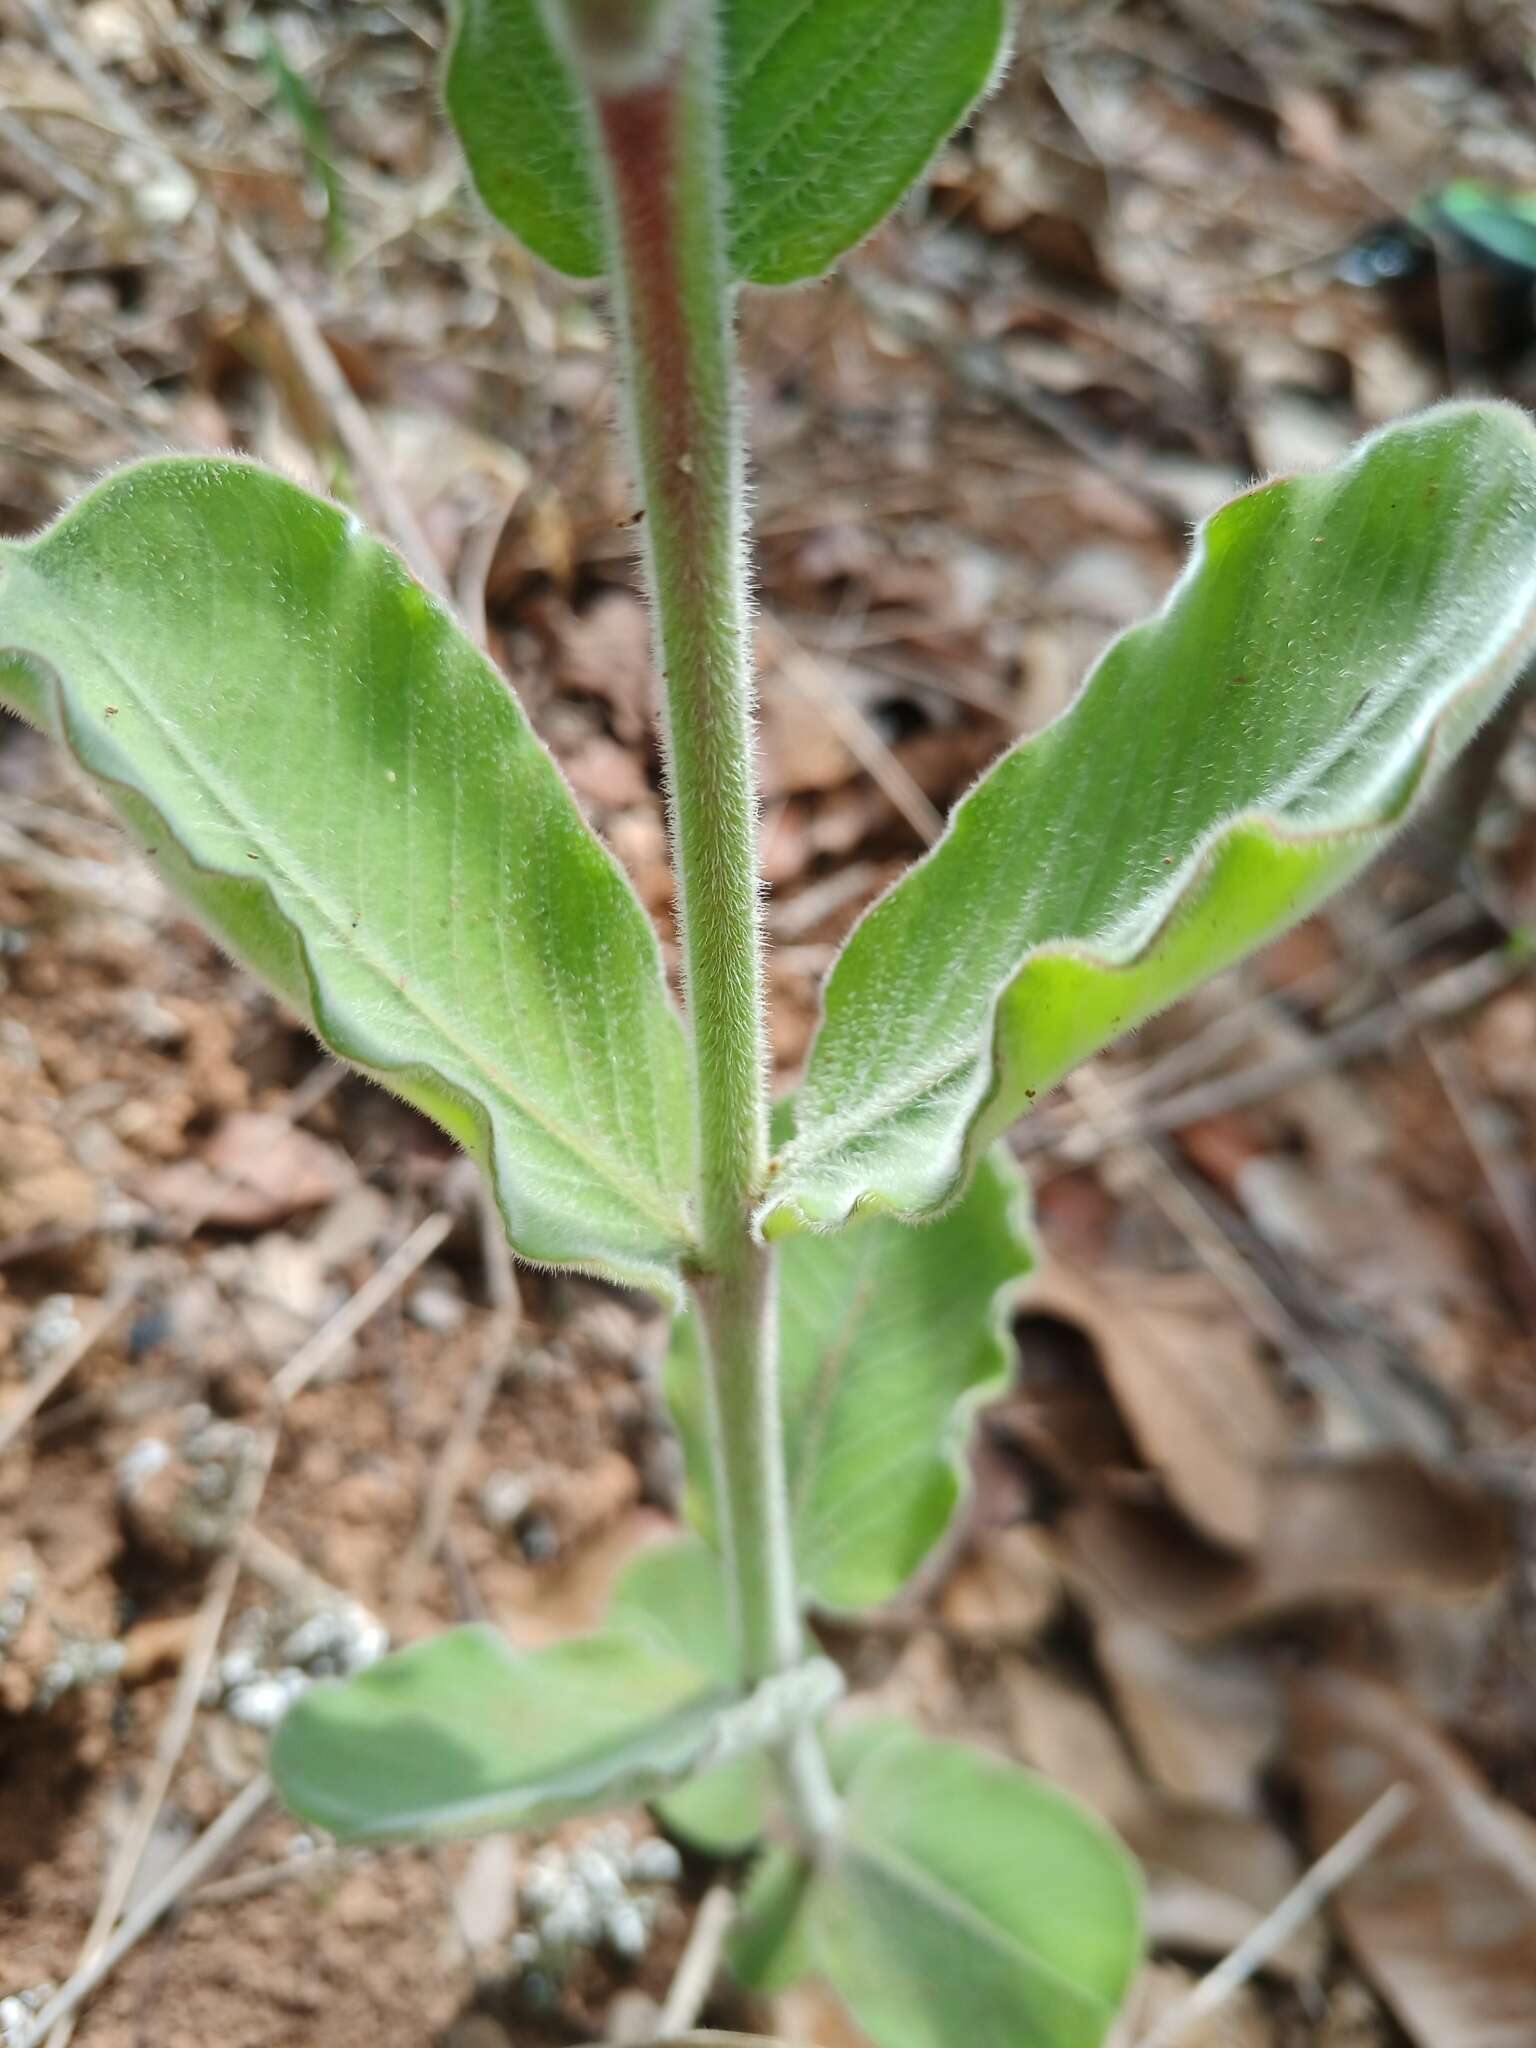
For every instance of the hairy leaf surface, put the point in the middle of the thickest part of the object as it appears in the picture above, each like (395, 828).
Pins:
(888, 1338)
(835, 108)
(832, 109)
(962, 1900)
(519, 120)
(969, 1901)
(349, 793)
(463, 1735)
(676, 1594)
(1334, 641)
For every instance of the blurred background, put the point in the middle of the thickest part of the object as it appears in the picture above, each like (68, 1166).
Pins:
(1251, 1541)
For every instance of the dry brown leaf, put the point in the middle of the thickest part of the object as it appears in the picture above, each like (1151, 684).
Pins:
(1203, 1721)
(1383, 1526)
(571, 1595)
(1185, 1376)
(1062, 1732)
(800, 749)
(606, 774)
(256, 1169)
(606, 653)
(1211, 1877)
(1443, 1917)
(1004, 1589)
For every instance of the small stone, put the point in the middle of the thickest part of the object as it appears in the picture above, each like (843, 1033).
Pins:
(436, 1307)
(54, 1324)
(598, 1872)
(505, 1496)
(263, 1700)
(655, 1861)
(19, 2010)
(538, 1539)
(627, 1929)
(79, 1664)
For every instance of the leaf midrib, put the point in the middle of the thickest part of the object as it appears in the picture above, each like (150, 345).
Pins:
(306, 889)
(948, 1904)
(641, 1757)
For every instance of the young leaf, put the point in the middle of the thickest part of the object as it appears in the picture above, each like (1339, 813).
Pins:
(520, 124)
(308, 117)
(349, 793)
(888, 1339)
(835, 108)
(462, 1735)
(832, 109)
(968, 1901)
(1332, 644)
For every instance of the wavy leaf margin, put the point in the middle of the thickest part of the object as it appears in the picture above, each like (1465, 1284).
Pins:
(252, 923)
(908, 1148)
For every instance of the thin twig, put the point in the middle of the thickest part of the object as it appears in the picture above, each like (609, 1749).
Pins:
(1198, 1052)
(332, 1337)
(1507, 1186)
(18, 136)
(216, 1842)
(803, 672)
(102, 1951)
(1146, 1167)
(310, 350)
(700, 1960)
(323, 374)
(981, 368)
(1378, 1030)
(447, 1476)
(451, 1461)
(1349, 1852)
(64, 383)
(31, 249)
(267, 1877)
(58, 1369)
(177, 1727)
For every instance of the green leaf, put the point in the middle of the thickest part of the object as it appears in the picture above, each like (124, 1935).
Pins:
(308, 117)
(1500, 226)
(963, 1900)
(768, 1947)
(349, 793)
(676, 1595)
(833, 109)
(1334, 642)
(463, 1735)
(514, 104)
(888, 1340)
(836, 107)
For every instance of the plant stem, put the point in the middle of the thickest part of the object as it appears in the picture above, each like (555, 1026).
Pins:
(659, 144)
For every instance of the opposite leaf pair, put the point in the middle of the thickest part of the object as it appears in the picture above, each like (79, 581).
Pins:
(349, 793)
(956, 1887)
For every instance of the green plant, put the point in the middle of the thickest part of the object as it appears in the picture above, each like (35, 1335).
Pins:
(345, 788)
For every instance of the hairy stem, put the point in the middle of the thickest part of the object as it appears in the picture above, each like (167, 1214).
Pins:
(658, 133)
(675, 306)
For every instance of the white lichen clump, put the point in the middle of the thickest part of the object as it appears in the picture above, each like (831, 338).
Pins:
(601, 1893)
